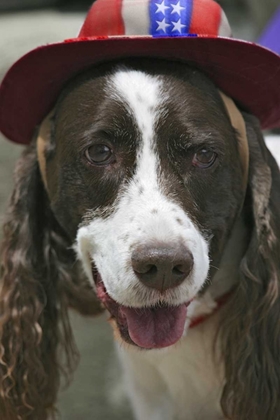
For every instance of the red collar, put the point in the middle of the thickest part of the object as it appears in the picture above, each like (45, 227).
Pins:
(221, 301)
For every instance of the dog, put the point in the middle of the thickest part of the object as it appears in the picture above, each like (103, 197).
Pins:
(146, 192)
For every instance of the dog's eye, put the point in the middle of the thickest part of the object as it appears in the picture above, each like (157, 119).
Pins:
(204, 158)
(99, 154)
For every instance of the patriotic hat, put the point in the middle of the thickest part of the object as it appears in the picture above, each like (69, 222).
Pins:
(192, 31)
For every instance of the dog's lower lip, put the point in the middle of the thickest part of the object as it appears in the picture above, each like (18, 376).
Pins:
(152, 327)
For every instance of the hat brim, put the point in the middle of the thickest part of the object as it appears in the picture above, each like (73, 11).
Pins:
(248, 73)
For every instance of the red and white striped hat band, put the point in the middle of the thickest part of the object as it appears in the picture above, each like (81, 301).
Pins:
(156, 18)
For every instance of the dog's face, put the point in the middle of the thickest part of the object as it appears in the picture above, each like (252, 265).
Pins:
(143, 172)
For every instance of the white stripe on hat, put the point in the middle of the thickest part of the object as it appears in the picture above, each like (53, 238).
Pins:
(224, 29)
(136, 17)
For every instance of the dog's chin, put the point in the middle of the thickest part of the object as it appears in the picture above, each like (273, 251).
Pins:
(153, 327)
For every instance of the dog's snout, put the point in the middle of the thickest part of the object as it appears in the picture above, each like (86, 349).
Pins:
(162, 267)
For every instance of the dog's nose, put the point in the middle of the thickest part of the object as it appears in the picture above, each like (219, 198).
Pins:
(162, 267)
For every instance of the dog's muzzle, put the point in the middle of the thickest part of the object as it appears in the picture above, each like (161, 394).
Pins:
(149, 327)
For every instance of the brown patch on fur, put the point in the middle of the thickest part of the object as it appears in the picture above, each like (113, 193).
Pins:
(42, 141)
(116, 331)
(238, 123)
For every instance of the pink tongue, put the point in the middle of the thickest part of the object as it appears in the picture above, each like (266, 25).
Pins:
(154, 328)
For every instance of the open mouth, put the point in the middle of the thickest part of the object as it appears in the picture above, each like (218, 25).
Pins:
(150, 328)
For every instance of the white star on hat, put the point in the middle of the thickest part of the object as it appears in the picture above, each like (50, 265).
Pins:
(177, 8)
(162, 25)
(161, 7)
(177, 26)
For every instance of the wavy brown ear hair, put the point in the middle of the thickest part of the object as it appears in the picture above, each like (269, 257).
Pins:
(251, 327)
(39, 280)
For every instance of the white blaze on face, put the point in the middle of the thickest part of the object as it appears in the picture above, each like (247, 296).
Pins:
(143, 214)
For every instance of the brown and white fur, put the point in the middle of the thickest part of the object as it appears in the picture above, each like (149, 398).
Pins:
(76, 226)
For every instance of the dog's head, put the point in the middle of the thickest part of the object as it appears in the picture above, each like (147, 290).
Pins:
(140, 172)
(143, 170)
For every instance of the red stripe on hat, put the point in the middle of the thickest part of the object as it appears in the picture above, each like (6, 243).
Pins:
(206, 18)
(104, 18)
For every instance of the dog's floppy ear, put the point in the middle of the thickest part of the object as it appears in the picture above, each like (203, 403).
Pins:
(39, 281)
(252, 332)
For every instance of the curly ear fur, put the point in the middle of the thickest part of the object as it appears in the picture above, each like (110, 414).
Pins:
(251, 333)
(39, 280)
